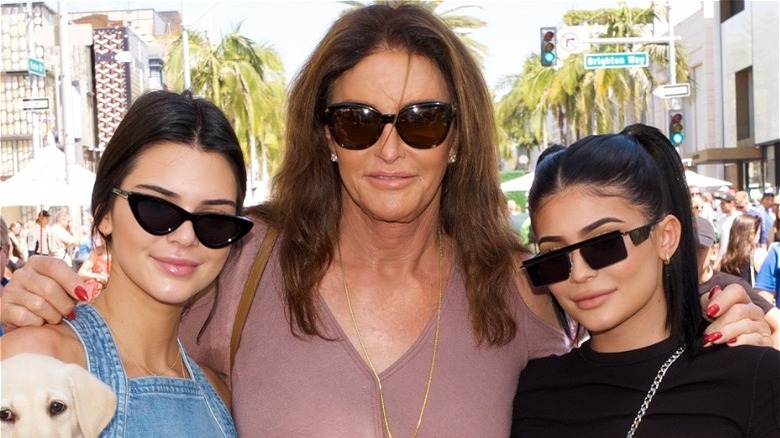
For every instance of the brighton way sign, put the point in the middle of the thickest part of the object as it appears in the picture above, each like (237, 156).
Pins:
(616, 60)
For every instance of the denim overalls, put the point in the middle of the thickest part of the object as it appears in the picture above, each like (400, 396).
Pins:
(151, 406)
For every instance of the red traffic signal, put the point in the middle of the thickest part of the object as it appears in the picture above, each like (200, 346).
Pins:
(548, 41)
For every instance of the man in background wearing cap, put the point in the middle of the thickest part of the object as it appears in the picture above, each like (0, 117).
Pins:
(726, 212)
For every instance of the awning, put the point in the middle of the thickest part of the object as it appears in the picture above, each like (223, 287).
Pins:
(726, 155)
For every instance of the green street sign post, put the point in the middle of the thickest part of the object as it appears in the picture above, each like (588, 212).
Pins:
(36, 67)
(616, 60)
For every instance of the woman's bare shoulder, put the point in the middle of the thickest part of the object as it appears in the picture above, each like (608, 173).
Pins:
(56, 340)
(218, 384)
(537, 299)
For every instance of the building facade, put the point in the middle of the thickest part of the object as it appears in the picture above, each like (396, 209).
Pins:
(113, 57)
(734, 112)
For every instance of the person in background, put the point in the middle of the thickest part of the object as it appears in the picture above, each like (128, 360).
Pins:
(169, 231)
(38, 236)
(18, 251)
(95, 269)
(743, 256)
(725, 217)
(61, 240)
(774, 231)
(712, 281)
(768, 286)
(708, 210)
(697, 205)
(768, 217)
(624, 267)
(393, 290)
(742, 205)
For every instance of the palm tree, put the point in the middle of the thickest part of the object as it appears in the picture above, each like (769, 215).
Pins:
(246, 80)
(462, 25)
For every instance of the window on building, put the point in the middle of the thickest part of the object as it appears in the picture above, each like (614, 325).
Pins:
(744, 103)
(730, 8)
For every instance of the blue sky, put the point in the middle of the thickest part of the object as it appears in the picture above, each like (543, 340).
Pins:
(293, 27)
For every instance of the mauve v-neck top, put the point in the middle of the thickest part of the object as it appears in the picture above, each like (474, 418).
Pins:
(286, 386)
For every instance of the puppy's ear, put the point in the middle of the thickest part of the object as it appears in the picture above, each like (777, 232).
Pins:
(94, 401)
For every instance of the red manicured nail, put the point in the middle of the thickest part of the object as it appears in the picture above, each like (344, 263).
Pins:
(81, 293)
(71, 315)
(715, 336)
(715, 289)
(733, 341)
(713, 310)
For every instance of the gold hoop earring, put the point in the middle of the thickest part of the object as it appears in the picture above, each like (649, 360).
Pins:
(667, 261)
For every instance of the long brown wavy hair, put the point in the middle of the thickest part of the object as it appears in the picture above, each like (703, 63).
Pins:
(741, 243)
(306, 193)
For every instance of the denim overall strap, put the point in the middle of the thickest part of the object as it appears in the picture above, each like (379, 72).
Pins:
(103, 359)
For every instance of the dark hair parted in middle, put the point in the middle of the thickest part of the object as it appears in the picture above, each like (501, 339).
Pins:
(165, 116)
(308, 185)
(640, 165)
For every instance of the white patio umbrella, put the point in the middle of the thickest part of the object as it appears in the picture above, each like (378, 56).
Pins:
(521, 184)
(695, 179)
(43, 182)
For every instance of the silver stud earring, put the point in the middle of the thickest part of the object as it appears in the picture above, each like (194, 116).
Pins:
(453, 158)
(334, 157)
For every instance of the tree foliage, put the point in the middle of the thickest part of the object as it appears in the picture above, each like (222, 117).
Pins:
(579, 101)
(243, 78)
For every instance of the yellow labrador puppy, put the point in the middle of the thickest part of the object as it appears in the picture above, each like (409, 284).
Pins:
(44, 397)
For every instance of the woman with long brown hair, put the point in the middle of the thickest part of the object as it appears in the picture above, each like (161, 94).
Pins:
(743, 256)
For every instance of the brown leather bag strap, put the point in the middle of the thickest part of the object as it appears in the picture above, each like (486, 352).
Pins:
(249, 290)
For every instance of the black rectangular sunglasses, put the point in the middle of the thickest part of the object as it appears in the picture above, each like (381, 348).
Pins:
(598, 252)
(159, 217)
(358, 126)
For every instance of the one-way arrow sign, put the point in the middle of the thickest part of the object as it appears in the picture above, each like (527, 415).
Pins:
(670, 91)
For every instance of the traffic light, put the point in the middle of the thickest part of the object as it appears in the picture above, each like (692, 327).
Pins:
(548, 40)
(676, 132)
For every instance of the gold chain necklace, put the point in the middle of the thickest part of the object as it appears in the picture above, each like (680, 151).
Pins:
(142, 367)
(435, 342)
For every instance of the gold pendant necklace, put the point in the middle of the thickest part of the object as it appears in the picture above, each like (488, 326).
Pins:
(435, 342)
(142, 367)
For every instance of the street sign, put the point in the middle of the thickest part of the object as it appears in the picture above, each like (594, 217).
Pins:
(616, 60)
(35, 103)
(569, 41)
(36, 67)
(672, 90)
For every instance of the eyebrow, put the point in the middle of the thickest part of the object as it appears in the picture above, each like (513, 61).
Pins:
(587, 229)
(170, 194)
